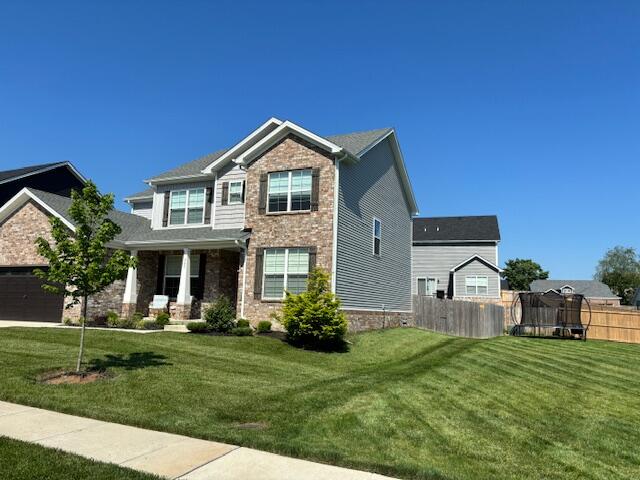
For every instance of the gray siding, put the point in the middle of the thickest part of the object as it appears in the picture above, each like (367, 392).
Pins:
(228, 216)
(477, 268)
(158, 198)
(142, 208)
(367, 189)
(437, 260)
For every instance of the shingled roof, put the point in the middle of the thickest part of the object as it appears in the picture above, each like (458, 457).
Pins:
(353, 142)
(8, 175)
(446, 229)
(137, 229)
(588, 288)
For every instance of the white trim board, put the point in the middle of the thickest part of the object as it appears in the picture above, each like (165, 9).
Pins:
(22, 197)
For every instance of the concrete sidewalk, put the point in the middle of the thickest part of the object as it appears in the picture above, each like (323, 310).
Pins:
(160, 453)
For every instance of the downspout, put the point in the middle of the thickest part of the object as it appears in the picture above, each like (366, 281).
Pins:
(243, 246)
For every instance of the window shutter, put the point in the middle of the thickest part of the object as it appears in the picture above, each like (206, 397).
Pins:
(315, 189)
(165, 212)
(160, 280)
(207, 206)
(262, 207)
(257, 281)
(201, 273)
(225, 193)
(244, 184)
(313, 251)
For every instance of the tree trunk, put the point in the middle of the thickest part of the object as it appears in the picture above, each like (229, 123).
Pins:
(85, 301)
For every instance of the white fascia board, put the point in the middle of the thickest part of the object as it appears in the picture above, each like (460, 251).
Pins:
(279, 133)
(69, 165)
(229, 154)
(181, 178)
(477, 257)
(22, 197)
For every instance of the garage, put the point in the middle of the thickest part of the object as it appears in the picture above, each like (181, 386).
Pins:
(22, 297)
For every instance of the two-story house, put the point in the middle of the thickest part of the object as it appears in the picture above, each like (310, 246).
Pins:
(251, 221)
(457, 256)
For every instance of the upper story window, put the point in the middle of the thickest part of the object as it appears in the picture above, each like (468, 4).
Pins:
(377, 236)
(235, 192)
(477, 285)
(567, 290)
(289, 191)
(186, 207)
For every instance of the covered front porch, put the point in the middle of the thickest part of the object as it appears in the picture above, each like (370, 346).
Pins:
(191, 276)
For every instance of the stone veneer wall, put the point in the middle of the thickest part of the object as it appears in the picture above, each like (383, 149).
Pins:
(361, 320)
(303, 229)
(18, 234)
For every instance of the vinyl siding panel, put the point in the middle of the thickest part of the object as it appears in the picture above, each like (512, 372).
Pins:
(144, 209)
(477, 268)
(437, 260)
(367, 189)
(228, 216)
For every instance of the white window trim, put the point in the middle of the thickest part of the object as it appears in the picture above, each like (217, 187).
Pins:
(165, 276)
(476, 294)
(373, 237)
(426, 285)
(288, 210)
(285, 272)
(186, 207)
(239, 202)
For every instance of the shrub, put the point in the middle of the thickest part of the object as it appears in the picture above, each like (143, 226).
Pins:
(136, 317)
(149, 324)
(243, 323)
(163, 319)
(313, 318)
(69, 322)
(220, 316)
(113, 319)
(198, 327)
(132, 322)
(264, 326)
(242, 331)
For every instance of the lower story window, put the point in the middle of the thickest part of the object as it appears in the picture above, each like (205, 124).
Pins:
(427, 286)
(173, 265)
(285, 269)
(477, 284)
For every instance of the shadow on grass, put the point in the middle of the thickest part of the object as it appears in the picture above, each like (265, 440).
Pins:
(133, 361)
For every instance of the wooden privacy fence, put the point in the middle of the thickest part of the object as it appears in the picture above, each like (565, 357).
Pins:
(459, 318)
(610, 323)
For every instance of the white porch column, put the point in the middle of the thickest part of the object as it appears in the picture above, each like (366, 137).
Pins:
(131, 287)
(184, 290)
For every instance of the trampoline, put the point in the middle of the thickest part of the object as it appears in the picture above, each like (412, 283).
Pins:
(549, 314)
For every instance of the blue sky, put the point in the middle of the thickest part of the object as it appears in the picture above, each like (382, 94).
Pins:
(527, 110)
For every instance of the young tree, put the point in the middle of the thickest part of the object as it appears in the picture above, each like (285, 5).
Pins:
(314, 317)
(521, 272)
(620, 270)
(79, 263)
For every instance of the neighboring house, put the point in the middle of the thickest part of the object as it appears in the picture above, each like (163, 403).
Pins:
(59, 178)
(596, 292)
(251, 221)
(457, 256)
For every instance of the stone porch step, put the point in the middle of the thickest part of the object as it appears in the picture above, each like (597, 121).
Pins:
(180, 328)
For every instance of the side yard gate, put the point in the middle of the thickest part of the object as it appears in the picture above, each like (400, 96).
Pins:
(459, 318)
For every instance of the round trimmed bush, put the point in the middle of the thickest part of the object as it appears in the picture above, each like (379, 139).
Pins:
(243, 323)
(163, 319)
(264, 326)
(242, 331)
(220, 316)
(198, 327)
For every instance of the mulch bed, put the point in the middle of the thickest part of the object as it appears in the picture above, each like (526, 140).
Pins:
(62, 377)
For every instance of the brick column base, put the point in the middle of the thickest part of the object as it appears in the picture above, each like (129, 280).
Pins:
(181, 312)
(128, 309)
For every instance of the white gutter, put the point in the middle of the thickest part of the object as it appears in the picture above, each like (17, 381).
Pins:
(243, 246)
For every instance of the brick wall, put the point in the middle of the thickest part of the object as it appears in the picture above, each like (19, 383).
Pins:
(291, 229)
(18, 234)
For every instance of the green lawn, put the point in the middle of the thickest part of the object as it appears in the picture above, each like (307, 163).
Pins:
(25, 461)
(402, 402)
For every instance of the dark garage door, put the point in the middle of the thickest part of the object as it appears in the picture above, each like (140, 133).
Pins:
(22, 297)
